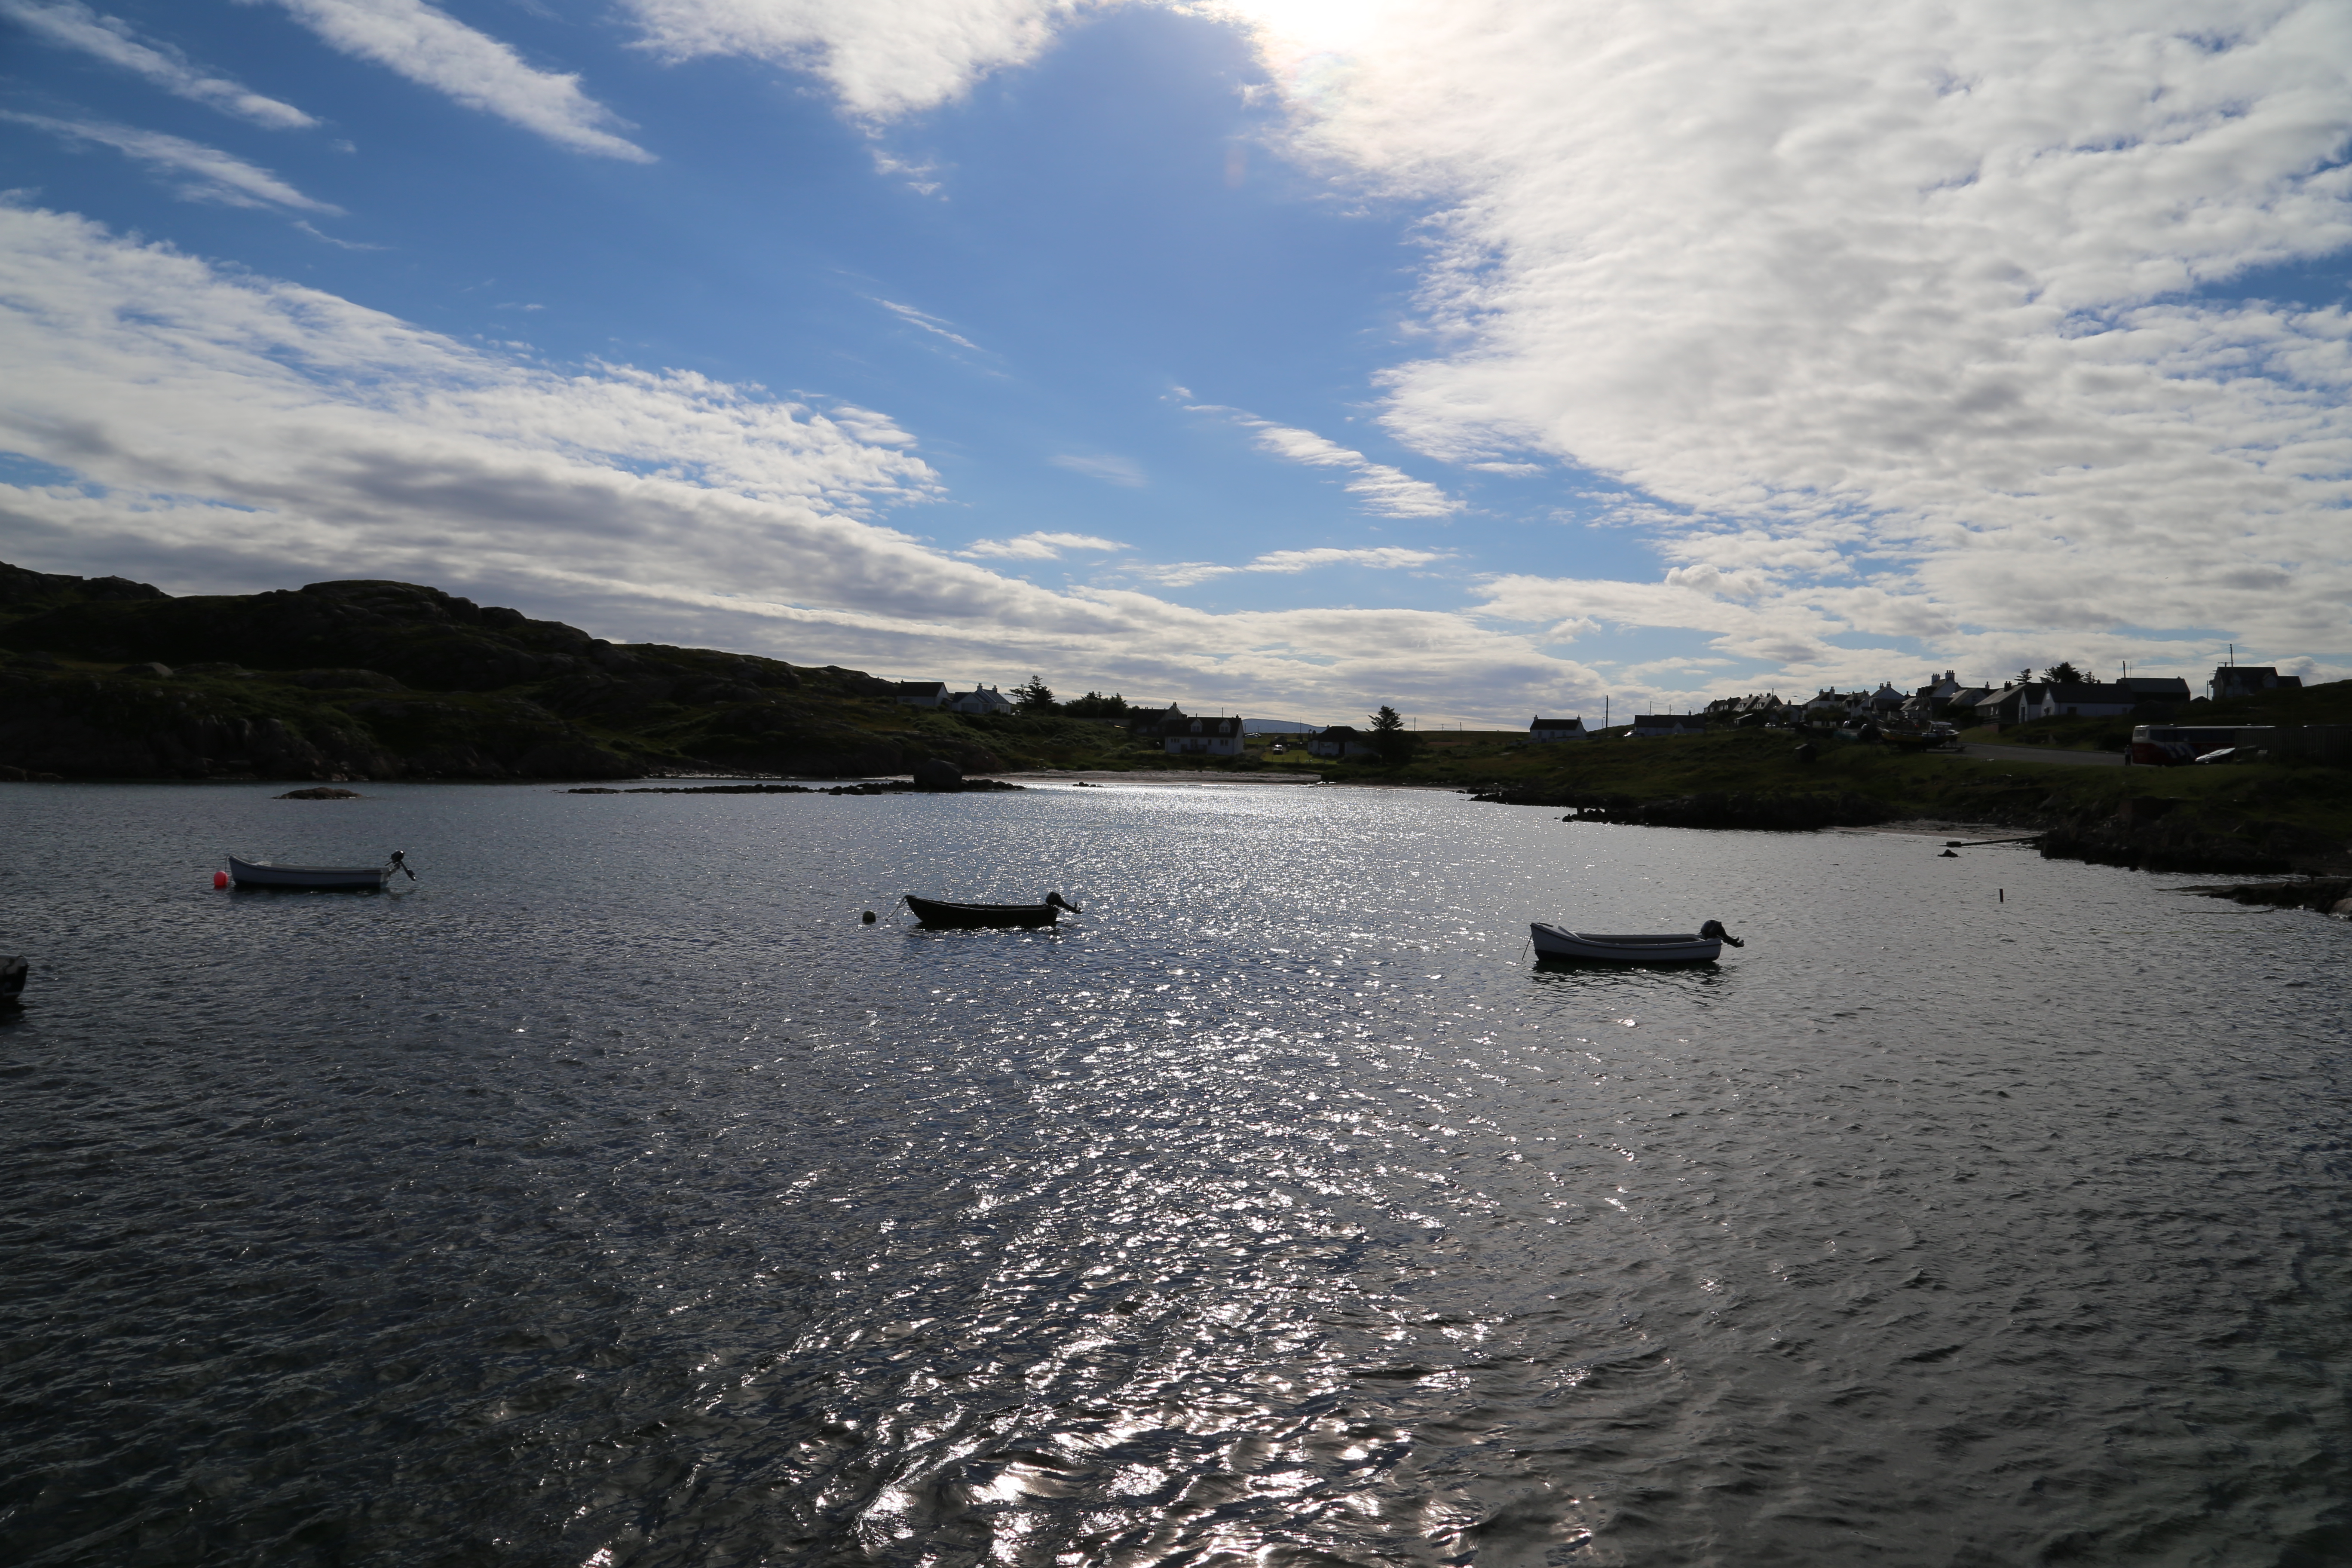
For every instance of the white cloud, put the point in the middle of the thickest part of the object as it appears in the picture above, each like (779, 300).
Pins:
(1111, 470)
(1389, 492)
(72, 25)
(1037, 546)
(203, 173)
(229, 432)
(1895, 285)
(882, 58)
(434, 50)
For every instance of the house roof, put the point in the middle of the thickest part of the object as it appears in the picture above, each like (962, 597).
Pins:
(1555, 723)
(1187, 727)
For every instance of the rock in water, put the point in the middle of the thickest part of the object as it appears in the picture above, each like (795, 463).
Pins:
(12, 981)
(935, 772)
(323, 792)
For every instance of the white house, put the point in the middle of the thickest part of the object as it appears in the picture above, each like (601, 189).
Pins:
(1203, 737)
(980, 700)
(1657, 726)
(2089, 701)
(1555, 729)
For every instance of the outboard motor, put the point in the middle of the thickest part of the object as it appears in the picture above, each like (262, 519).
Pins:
(1715, 929)
(1055, 900)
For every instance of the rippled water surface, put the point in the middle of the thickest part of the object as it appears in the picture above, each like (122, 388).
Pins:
(613, 1196)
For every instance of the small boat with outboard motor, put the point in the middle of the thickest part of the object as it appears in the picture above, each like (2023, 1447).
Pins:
(1702, 946)
(940, 913)
(321, 879)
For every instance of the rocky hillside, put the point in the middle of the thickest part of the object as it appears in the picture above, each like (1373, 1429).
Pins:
(103, 678)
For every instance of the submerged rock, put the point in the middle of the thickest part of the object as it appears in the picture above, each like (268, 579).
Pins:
(321, 792)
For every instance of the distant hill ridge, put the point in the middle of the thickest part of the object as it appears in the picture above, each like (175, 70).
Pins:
(367, 680)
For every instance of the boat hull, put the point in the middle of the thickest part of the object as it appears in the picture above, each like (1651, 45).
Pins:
(321, 879)
(1591, 947)
(937, 912)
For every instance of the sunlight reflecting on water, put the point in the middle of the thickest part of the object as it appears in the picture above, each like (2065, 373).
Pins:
(614, 1192)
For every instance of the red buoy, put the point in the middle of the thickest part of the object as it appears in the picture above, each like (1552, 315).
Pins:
(220, 878)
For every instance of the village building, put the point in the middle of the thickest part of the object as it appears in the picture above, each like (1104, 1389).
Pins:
(2087, 700)
(924, 694)
(1555, 729)
(2001, 706)
(1829, 707)
(1184, 737)
(2158, 688)
(1659, 726)
(2245, 679)
(1145, 723)
(979, 699)
(1342, 741)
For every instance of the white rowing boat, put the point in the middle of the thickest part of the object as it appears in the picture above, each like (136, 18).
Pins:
(262, 874)
(1702, 946)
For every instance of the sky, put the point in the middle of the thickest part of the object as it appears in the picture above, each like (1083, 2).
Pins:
(1483, 358)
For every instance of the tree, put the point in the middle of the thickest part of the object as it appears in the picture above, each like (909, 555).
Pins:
(2063, 673)
(1094, 705)
(1391, 738)
(1035, 696)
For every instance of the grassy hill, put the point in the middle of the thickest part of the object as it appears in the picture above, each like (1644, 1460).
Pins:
(337, 681)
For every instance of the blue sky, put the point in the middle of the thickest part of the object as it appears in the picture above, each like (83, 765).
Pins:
(1291, 357)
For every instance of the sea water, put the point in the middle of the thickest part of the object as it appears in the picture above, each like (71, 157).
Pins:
(612, 1195)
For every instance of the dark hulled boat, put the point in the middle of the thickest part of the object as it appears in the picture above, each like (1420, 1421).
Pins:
(940, 913)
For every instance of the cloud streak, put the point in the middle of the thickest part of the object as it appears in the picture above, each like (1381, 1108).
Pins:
(434, 50)
(1123, 471)
(202, 173)
(1037, 546)
(1385, 557)
(929, 323)
(1380, 489)
(68, 24)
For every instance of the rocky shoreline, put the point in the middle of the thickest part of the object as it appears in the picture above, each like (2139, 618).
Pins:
(2146, 834)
